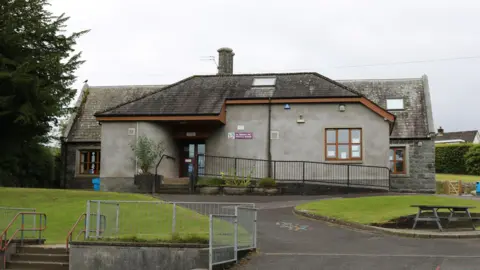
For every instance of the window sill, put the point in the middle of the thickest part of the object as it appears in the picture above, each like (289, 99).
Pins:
(393, 175)
(87, 175)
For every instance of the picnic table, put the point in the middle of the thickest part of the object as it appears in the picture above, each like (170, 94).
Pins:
(434, 210)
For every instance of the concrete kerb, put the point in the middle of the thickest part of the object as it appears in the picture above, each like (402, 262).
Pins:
(396, 232)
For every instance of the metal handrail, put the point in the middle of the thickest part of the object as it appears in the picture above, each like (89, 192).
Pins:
(4, 243)
(70, 233)
(83, 216)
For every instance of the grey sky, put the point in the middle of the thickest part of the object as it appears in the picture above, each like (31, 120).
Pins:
(160, 42)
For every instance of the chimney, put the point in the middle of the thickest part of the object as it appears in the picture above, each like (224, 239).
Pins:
(225, 61)
(440, 132)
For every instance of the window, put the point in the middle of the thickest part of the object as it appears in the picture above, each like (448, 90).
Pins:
(397, 160)
(395, 104)
(264, 81)
(89, 162)
(343, 144)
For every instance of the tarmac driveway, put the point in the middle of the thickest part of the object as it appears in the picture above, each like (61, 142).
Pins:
(286, 241)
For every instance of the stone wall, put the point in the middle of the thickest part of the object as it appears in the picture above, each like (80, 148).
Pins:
(420, 162)
(115, 256)
(73, 180)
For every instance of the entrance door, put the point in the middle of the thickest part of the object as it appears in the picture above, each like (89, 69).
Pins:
(189, 150)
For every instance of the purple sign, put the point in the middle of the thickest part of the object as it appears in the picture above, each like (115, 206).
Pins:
(243, 135)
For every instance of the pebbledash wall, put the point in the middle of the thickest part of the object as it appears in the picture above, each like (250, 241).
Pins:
(296, 141)
(420, 164)
(299, 141)
(117, 159)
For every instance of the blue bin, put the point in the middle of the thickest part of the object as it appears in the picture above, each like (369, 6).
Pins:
(96, 184)
(478, 188)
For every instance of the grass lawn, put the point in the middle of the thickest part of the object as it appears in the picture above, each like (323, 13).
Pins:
(456, 177)
(140, 222)
(379, 209)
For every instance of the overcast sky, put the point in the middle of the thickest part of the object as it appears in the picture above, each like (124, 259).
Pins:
(161, 42)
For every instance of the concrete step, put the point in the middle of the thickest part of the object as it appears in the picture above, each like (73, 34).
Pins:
(174, 189)
(37, 265)
(40, 257)
(41, 250)
(176, 181)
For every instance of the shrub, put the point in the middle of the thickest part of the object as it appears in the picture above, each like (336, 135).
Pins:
(266, 183)
(147, 152)
(211, 182)
(232, 178)
(472, 160)
(451, 158)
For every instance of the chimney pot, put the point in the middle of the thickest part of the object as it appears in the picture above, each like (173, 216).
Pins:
(225, 61)
(440, 131)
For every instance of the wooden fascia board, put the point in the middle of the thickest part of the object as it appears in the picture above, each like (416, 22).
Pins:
(163, 118)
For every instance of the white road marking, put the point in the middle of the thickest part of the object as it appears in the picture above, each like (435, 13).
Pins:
(373, 255)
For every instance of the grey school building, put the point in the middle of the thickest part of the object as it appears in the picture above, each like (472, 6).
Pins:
(278, 116)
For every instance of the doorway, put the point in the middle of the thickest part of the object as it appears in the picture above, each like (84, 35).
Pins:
(188, 151)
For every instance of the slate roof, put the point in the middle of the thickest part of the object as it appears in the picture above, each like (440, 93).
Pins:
(416, 120)
(83, 126)
(467, 136)
(206, 94)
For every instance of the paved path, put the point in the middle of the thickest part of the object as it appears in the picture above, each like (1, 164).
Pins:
(288, 242)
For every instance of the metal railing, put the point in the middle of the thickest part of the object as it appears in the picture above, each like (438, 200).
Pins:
(304, 172)
(223, 241)
(82, 217)
(227, 227)
(5, 240)
(155, 220)
(230, 234)
(8, 213)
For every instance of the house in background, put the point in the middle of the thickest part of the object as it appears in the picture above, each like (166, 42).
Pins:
(276, 116)
(470, 136)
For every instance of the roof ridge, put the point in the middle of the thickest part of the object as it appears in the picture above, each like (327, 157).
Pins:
(395, 79)
(144, 96)
(125, 86)
(254, 74)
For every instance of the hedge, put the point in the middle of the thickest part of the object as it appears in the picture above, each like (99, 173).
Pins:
(472, 160)
(450, 158)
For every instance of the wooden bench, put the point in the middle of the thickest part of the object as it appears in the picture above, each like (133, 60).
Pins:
(452, 217)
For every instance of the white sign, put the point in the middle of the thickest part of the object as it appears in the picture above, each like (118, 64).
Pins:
(231, 135)
(191, 134)
(240, 127)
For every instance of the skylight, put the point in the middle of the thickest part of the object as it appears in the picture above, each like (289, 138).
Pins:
(264, 81)
(395, 104)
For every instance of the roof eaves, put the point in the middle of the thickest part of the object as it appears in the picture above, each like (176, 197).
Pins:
(144, 96)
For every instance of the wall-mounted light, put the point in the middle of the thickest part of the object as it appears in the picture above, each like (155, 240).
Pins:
(341, 107)
(420, 144)
(286, 107)
(300, 119)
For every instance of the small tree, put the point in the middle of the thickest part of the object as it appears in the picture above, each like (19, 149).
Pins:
(147, 152)
(472, 160)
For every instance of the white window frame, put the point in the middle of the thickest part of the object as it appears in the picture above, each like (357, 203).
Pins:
(264, 81)
(395, 108)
